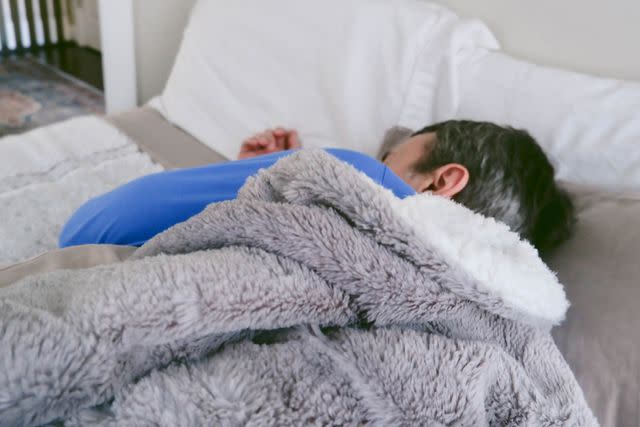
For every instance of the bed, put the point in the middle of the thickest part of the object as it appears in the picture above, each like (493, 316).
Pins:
(589, 126)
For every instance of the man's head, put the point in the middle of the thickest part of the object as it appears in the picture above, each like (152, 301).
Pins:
(496, 171)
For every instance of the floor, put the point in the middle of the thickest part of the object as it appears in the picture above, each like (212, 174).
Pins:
(44, 87)
(82, 63)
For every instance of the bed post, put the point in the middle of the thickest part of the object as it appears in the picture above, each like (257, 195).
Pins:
(118, 54)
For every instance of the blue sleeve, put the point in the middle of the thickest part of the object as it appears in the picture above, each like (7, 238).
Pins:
(135, 212)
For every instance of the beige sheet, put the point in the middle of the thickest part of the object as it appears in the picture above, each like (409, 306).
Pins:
(600, 336)
(61, 259)
(165, 143)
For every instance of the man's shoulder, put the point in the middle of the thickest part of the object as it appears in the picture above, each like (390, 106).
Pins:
(351, 155)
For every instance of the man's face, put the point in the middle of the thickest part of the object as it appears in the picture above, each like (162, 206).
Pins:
(403, 157)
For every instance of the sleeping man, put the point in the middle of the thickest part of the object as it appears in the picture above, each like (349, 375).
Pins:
(496, 171)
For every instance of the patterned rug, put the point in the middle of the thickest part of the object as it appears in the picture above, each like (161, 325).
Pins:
(33, 94)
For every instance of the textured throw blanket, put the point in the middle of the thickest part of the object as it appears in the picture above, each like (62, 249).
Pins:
(47, 173)
(315, 298)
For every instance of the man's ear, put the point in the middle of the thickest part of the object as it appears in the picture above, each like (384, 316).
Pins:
(447, 180)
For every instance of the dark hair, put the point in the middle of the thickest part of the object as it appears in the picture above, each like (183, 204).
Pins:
(511, 178)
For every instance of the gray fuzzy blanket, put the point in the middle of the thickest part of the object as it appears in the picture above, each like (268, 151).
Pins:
(315, 298)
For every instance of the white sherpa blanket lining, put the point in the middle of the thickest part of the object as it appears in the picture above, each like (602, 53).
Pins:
(504, 264)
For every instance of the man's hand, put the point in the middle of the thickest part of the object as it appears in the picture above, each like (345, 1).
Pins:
(269, 141)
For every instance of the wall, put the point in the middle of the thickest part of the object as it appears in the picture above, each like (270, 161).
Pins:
(158, 31)
(595, 37)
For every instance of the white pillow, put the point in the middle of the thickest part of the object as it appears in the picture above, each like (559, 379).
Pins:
(340, 71)
(588, 126)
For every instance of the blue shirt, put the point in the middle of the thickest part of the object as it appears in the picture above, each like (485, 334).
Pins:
(135, 212)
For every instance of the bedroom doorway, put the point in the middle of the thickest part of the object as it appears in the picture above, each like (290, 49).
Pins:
(50, 62)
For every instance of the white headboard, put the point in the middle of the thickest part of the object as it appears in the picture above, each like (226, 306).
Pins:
(588, 36)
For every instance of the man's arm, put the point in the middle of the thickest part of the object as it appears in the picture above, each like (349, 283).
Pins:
(135, 212)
